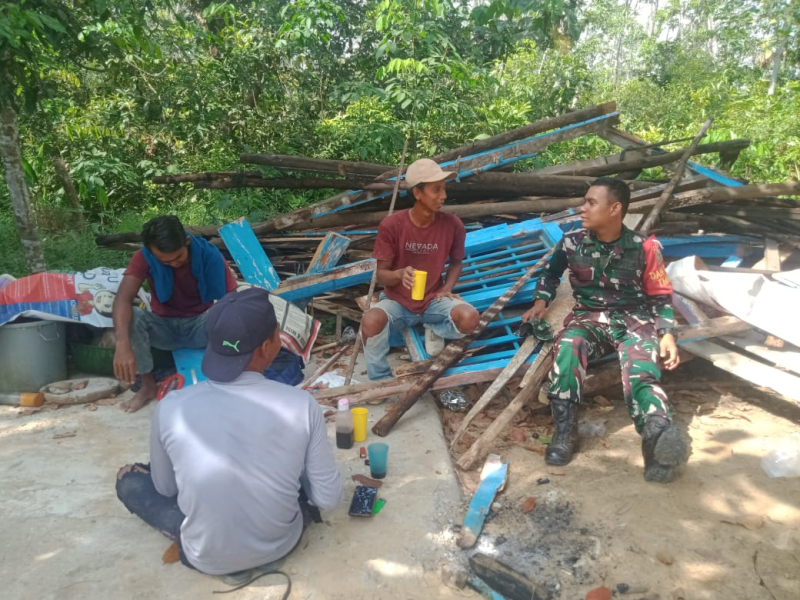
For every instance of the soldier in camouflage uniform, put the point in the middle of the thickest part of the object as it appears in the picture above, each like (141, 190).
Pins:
(623, 304)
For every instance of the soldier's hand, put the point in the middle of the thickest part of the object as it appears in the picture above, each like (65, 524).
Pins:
(669, 352)
(536, 312)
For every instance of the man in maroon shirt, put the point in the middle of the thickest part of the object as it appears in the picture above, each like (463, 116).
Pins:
(186, 274)
(421, 238)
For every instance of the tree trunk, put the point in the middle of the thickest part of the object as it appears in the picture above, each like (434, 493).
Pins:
(18, 190)
(777, 58)
(620, 40)
(69, 190)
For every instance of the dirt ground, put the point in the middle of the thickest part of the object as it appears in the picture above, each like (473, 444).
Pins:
(722, 530)
(65, 535)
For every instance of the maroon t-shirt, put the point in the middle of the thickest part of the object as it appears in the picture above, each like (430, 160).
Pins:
(185, 300)
(423, 248)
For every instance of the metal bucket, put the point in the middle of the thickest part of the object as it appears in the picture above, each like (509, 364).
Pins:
(32, 354)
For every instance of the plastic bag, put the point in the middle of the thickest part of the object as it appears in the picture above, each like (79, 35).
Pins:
(454, 400)
(589, 429)
(784, 460)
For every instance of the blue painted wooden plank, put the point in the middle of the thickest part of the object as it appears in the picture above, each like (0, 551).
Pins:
(484, 366)
(531, 253)
(713, 175)
(732, 262)
(250, 257)
(308, 286)
(329, 252)
(501, 156)
(481, 504)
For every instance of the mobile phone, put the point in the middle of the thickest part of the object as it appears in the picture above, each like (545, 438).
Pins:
(363, 500)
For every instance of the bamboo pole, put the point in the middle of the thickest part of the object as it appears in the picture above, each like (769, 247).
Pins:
(359, 340)
(652, 218)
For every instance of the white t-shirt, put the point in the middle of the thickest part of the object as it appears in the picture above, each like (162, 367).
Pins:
(236, 454)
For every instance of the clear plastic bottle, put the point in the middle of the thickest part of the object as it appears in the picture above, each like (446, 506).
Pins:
(344, 425)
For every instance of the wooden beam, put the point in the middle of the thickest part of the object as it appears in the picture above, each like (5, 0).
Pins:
(322, 165)
(334, 309)
(289, 183)
(652, 218)
(627, 140)
(210, 176)
(757, 212)
(773, 256)
(308, 286)
(373, 390)
(509, 583)
(522, 354)
(723, 194)
(654, 160)
(501, 155)
(525, 131)
(528, 184)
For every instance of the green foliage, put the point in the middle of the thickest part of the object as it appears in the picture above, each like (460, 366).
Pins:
(125, 90)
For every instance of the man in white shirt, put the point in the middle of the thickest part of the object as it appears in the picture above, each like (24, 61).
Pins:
(235, 460)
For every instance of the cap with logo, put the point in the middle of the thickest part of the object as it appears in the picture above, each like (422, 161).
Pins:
(238, 324)
(426, 170)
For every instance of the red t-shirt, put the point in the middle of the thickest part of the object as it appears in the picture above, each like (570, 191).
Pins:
(423, 248)
(185, 300)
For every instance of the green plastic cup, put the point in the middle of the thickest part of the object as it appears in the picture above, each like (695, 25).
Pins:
(378, 457)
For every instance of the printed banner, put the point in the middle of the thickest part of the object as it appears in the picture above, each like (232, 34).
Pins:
(83, 297)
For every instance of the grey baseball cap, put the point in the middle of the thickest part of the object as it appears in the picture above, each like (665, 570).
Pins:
(238, 324)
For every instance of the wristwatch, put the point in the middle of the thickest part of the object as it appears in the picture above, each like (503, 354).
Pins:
(662, 332)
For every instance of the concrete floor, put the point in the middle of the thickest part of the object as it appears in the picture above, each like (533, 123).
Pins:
(65, 535)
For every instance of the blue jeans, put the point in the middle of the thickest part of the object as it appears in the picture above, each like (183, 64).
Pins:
(165, 333)
(436, 317)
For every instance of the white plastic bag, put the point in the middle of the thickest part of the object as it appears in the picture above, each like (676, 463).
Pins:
(784, 460)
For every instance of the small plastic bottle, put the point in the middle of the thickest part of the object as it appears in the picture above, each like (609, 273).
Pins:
(344, 425)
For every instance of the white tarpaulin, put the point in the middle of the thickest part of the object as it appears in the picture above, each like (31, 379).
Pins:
(754, 298)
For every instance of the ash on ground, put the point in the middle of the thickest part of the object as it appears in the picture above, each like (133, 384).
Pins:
(547, 544)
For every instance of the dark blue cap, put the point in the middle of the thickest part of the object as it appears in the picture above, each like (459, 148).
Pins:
(238, 324)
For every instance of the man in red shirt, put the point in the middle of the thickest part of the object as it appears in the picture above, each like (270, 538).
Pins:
(421, 238)
(186, 274)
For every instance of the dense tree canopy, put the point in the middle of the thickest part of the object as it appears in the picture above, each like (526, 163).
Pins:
(126, 89)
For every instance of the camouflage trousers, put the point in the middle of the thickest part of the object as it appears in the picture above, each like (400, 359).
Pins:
(590, 336)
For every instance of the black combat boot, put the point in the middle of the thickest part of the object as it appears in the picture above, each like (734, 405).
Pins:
(565, 436)
(664, 448)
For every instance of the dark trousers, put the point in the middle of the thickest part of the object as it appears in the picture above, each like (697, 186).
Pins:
(137, 492)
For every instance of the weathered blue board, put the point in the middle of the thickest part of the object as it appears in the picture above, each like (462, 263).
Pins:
(248, 254)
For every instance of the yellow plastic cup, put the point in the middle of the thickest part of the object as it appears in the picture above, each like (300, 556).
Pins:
(418, 289)
(359, 424)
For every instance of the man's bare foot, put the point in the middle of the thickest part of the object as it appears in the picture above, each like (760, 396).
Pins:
(145, 394)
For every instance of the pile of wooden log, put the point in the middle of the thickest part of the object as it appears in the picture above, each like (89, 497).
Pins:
(319, 255)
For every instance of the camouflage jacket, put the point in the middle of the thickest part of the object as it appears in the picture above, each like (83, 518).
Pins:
(625, 277)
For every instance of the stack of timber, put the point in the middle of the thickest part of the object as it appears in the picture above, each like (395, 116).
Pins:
(319, 256)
